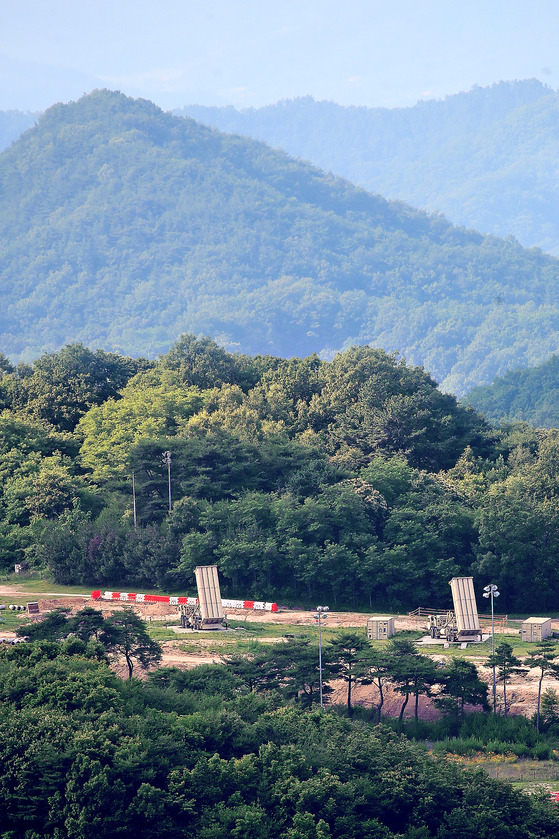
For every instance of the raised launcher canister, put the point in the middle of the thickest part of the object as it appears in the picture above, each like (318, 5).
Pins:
(209, 597)
(206, 612)
(462, 624)
(465, 609)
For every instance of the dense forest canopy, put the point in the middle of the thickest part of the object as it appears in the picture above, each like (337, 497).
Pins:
(122, 226)
(85, 755)
(530, 395)
(486, 158)
(354, 482)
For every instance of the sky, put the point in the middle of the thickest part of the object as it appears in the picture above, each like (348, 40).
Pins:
(245, 53)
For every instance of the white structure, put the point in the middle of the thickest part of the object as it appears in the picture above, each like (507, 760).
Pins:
(536, 629)
(380, 628)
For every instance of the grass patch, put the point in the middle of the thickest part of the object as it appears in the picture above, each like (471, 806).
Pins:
(9, 621)
(524, 774)
(520, 648)
(161, 633)
(211, 647)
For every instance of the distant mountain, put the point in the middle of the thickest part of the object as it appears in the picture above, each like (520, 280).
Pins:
(122, 226)
(13, 124)
(487, 159)
(521, 395)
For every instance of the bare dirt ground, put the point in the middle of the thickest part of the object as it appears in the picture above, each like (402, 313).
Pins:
(522, 691)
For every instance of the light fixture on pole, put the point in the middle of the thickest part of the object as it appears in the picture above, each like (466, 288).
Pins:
(492, 592)
(167, 460)
(320, 615)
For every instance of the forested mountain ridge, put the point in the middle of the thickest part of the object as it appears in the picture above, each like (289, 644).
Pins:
(530, 395)
(487, 158)
(122, 226)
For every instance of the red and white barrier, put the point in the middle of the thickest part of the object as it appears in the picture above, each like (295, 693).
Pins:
(128, 597)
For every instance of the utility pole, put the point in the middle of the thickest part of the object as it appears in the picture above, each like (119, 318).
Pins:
(320, 612)
(134, 500)
(167, 460)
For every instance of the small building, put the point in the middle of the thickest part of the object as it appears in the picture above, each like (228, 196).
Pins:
(380, 628)
(536, 629)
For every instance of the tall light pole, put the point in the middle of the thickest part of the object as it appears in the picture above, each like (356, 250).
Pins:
(320, 612)
(167, 460)
(491, 591)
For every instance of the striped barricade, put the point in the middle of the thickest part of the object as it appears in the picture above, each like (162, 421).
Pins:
(131, 597)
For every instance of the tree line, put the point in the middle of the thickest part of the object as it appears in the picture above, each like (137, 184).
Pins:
(354, 482)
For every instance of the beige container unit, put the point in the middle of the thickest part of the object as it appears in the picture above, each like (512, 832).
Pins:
(536, 629)
(379, 628)
(209, 597)
(465, 608)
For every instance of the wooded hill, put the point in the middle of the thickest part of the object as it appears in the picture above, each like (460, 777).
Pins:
(122, 226)
(354, 482)
(487, 158)
(522, 395)
(85, 754)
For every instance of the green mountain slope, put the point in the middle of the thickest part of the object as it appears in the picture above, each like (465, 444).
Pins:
(122, 226)
(487, 159)
(522, 395)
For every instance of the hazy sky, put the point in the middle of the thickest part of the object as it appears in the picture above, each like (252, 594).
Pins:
(254, 52)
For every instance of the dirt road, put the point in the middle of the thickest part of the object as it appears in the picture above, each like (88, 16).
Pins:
(522, 691)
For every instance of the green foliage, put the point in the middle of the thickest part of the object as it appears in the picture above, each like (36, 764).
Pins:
(549, 708)
(200, 362)
(52, 627)
(506, 664)
(543, 658)
(85, 754)
(64, 385)
(124, 634)
(124, 226)
(39, 483)
(485, 158)
(411, 673)
(348, 653)
(530, 395)
(207, 679)
(143, 410)
(350, 482)
(461, 686)
(517, 524)
(481, 732)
